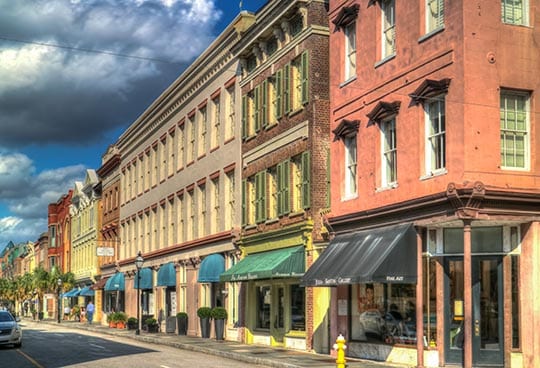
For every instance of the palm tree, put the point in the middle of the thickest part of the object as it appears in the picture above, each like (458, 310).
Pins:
(41, 285)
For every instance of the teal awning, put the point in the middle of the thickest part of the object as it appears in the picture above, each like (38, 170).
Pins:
(116, 282)
(211, 267)
(87, 291)
(166, 275)
(279, 263)
(146, 278)
(72, 293)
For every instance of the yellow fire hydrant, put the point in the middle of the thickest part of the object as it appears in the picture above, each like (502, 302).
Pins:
(340, 347)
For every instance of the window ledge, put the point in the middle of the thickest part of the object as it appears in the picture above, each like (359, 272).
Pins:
(389, 186)
(351, 79)
(296, 214)
(296, 334)
(434, 174)
(349, 197)
(510, 168)
(272, 221)
(384, 61)
(430, 34)
(295, 111)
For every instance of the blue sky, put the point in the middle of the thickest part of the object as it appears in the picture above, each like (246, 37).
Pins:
(75, 74)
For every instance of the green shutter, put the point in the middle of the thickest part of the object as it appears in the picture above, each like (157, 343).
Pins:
(306, 176)
(244, 202)
(244, 116)
(279, 173)
(287, 89)
(264, 104)
(305, 77)
(286, 182)
(256, 109)
(279, 92)
(260, 185)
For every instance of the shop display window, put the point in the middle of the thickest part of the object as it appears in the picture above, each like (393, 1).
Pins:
(264, 301)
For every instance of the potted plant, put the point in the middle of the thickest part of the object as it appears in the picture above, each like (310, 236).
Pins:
(151, 325)
(132, 323)
(111, 319)
(182, 322)
(219, 314)
(121, 319)
(205, 314)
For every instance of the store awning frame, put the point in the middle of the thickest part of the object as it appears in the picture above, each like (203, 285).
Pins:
(87, 291)
(277, 263)
(211, 268)
(116, 282)
(146, 279)
(385, 255)
(71, 293)
(166, 275)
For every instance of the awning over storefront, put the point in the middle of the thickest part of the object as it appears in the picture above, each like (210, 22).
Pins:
(100, 284)
(72, 293)
(146, 279)
(279, 263)
(166, 275)
(385, 255)
(211, 267)
(116, 282)
(87, 291)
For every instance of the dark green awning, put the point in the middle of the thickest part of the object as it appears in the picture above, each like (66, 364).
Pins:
(116, 282)
(279, 263)
(386, 255)
(166, 275)
(211, 268)
(146, 279)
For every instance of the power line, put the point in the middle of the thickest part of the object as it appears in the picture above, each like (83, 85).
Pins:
(73, 48)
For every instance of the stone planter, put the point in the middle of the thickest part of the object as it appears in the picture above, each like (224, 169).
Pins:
(219, 325)
(205, 327)
(182, 323)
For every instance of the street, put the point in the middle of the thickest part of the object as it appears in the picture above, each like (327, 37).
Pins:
(49, 346)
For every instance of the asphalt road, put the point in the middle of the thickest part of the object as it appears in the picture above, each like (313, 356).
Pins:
(47, 346)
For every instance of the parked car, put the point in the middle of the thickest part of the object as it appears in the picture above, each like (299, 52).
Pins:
(10, 330)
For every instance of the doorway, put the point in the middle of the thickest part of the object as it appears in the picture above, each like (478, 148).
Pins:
(487, 300)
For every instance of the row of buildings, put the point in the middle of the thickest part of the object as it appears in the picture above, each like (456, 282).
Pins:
(356, 167)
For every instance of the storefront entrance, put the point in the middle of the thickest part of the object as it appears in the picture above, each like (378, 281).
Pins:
(487, 294)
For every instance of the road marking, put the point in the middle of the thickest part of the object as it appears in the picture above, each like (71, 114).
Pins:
(164, 366)
(30, 359)
(98, 346)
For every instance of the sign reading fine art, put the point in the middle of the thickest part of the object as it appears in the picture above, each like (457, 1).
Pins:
(105, 251)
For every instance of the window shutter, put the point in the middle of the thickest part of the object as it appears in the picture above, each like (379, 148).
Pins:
(256, 109)
(286, 178)
(279, 173)
(279, 92)
(287, 89)
(305, 77)
(264, 104)
(244, 116)
(260, 185)
(440, 17)
(306, 176)
(244, 202)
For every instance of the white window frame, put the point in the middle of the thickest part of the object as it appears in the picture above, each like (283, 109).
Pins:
(350, 51)
(434, 21)
(388, 127)
(351, 170)
(526, 142)
(524, 10)
(388, 28)
(431, 158)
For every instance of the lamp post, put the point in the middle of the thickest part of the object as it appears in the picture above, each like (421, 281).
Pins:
(138, 264)
(59, 282)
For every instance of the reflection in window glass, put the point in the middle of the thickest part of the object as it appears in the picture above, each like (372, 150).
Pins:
(298, 308)
(430, 301)
(263, 307)
(516, 343)
(383, 313)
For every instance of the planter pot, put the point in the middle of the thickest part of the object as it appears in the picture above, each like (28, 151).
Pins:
(205, 327)
(182, 325)
(132, 326)
(152, 328)
(120, 325)
(219, 325)
(112, 324)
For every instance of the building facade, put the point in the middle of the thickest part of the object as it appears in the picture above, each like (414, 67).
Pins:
(179, 191)
(285, 141)
(59, 222)
(434, 209)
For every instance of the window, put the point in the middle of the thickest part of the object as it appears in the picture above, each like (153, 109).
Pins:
(296, 24)
(298, 308)
(249, 201)
(202, 220)
(283, 196)
(260, 197)
(216, 220)
(271, 46)
(230, 202)
(350, 51)
(231, 102)
(350, 165)
(180, 148)
(251, 63)
(515, 12)
(434, 15)
(179, 220)
(299, 90)
(248, 113)
(514, 130)
(191, 210)
(300, 167)
(155, 166)
(389, 153)
(388, 28)
(435, 134)
(216, 131)
(162, 159)
(191, 140)
(170, 149)
(264, 301)
(271, 184)
(202, 131)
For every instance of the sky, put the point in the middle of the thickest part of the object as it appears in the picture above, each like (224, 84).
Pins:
(74, 74)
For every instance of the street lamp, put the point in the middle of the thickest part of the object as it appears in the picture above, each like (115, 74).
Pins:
(59, 282)
(138, 264)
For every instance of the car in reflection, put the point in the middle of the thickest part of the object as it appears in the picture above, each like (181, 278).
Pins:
(10, 330)
(371, 322)
(398, 330)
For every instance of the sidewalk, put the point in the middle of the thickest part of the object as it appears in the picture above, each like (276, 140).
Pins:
(255, 354)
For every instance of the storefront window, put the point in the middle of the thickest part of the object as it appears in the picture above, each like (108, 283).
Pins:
(298, 308)
(430, 302)
(114, 301)
(515, 303)
(263, 307)
(383, 313)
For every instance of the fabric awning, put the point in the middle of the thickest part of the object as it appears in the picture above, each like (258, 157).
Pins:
(100, 284)
(211, 267)
(279, 263)
(146, 278)
(385, 255)
(116, 282)
(87, 291)
(72, 293)
(166, 275)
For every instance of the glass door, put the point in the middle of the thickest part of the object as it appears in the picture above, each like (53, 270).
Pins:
(278, 325)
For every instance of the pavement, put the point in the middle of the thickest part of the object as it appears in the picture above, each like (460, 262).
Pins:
(255, 354)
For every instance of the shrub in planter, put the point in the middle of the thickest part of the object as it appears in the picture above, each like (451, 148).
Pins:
(152, 325)
(121, 319)
(219, 314)
(182, 321)
(111, 319)
(132, 323)
(205, 314)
